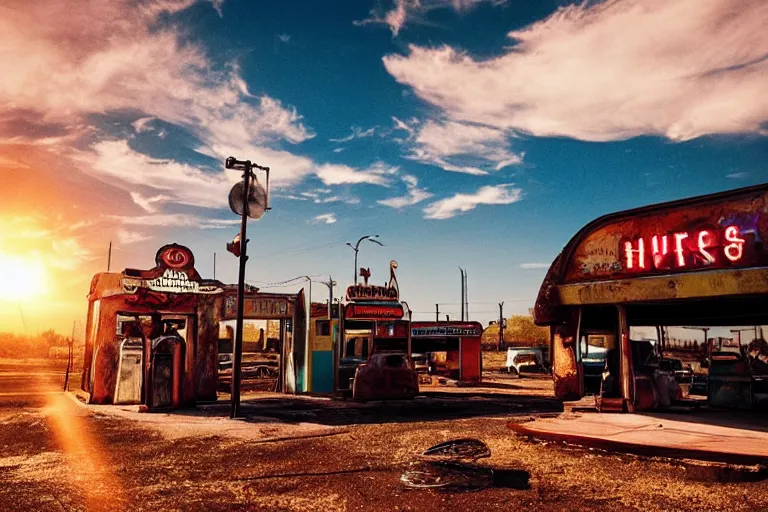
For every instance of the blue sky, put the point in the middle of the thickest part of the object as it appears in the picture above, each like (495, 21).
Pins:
(472, 133)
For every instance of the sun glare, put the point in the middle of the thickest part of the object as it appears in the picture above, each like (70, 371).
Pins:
(21, 278)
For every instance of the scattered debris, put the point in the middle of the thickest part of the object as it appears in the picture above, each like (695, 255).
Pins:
(459, 449)
(445, 466)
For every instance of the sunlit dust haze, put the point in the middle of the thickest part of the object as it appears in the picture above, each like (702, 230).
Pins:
(476, 134)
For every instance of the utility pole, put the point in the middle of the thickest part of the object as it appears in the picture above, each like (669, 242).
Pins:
(501, 326)
(70, 345)
(462, 293)
(466, 295)
(447, 318)
(437, 312)
(330, 284)
(109, 257)
(214, 266)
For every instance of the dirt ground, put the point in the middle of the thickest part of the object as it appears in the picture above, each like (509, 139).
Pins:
(311, 454)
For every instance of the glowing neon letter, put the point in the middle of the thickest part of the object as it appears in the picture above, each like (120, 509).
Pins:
(703, 247)
(629, 251)
(658, 256)
(679, 237)
(735, 249)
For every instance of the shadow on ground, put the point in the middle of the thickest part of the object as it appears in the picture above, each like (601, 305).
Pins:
(435, 406)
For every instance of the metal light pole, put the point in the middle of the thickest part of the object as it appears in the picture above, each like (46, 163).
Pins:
(247, 167)
(356, 248)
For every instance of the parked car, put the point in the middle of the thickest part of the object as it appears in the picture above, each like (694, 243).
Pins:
(525, 360)
(225, 362)
(698, 384)
(386, 375)
(420, 362)
(675, 366)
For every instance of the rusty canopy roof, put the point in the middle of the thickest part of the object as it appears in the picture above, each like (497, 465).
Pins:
(697, 247)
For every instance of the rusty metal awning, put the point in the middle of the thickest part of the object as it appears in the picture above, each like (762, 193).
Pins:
(715, 283)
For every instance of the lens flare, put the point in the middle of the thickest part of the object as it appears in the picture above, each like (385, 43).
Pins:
(21, 278)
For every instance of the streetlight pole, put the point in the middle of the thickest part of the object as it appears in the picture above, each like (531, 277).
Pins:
(356, 248)
(247, 167)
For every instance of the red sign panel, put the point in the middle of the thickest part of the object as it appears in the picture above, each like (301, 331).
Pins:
(373, 311)
(361, 293)
(723, 234)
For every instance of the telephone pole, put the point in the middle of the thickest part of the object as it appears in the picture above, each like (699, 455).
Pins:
(466, 295)
(214, 266)
(109, 257)
(330, 284)
(437, 312)
(463, 297)
(501, 326)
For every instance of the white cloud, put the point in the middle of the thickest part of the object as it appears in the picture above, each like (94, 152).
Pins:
(174, 220)
(285, 38)
(413, 196)
(142, 124)
(115, 162)
(338, 150)
(594, 72)
(377, 174)
(414, 11)
(737, 175)
(69, 253)
(147, 203)
(450, 207)
(462, 147)
(325, 218)
(125, 237)
(357, 133)
(132, 65)
(95, 65)
(531, 266)
(405, 126)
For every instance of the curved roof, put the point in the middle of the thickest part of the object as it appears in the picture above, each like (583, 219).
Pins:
(597, 253)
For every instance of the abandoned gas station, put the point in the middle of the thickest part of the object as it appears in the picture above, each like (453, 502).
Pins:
(152, 335)
(616, 291)
(157, 337)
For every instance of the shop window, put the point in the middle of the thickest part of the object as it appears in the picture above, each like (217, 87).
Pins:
(322, 328)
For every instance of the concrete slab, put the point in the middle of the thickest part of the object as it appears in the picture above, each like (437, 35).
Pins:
(717, 438)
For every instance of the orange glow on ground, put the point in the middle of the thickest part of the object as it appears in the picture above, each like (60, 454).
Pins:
(85, 454)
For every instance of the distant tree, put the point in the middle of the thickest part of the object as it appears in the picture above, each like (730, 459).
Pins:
(520, 331)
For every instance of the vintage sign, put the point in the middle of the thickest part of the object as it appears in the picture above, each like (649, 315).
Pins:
(727, 233)
(439, 331)
(173, 281)
(370, 293)
(262, 308)
(714, 248)
(373, 311)
(175, 257)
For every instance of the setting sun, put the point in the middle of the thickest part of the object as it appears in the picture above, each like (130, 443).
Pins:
(21, 278)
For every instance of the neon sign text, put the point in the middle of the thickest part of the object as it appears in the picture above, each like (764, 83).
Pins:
(684, 249)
